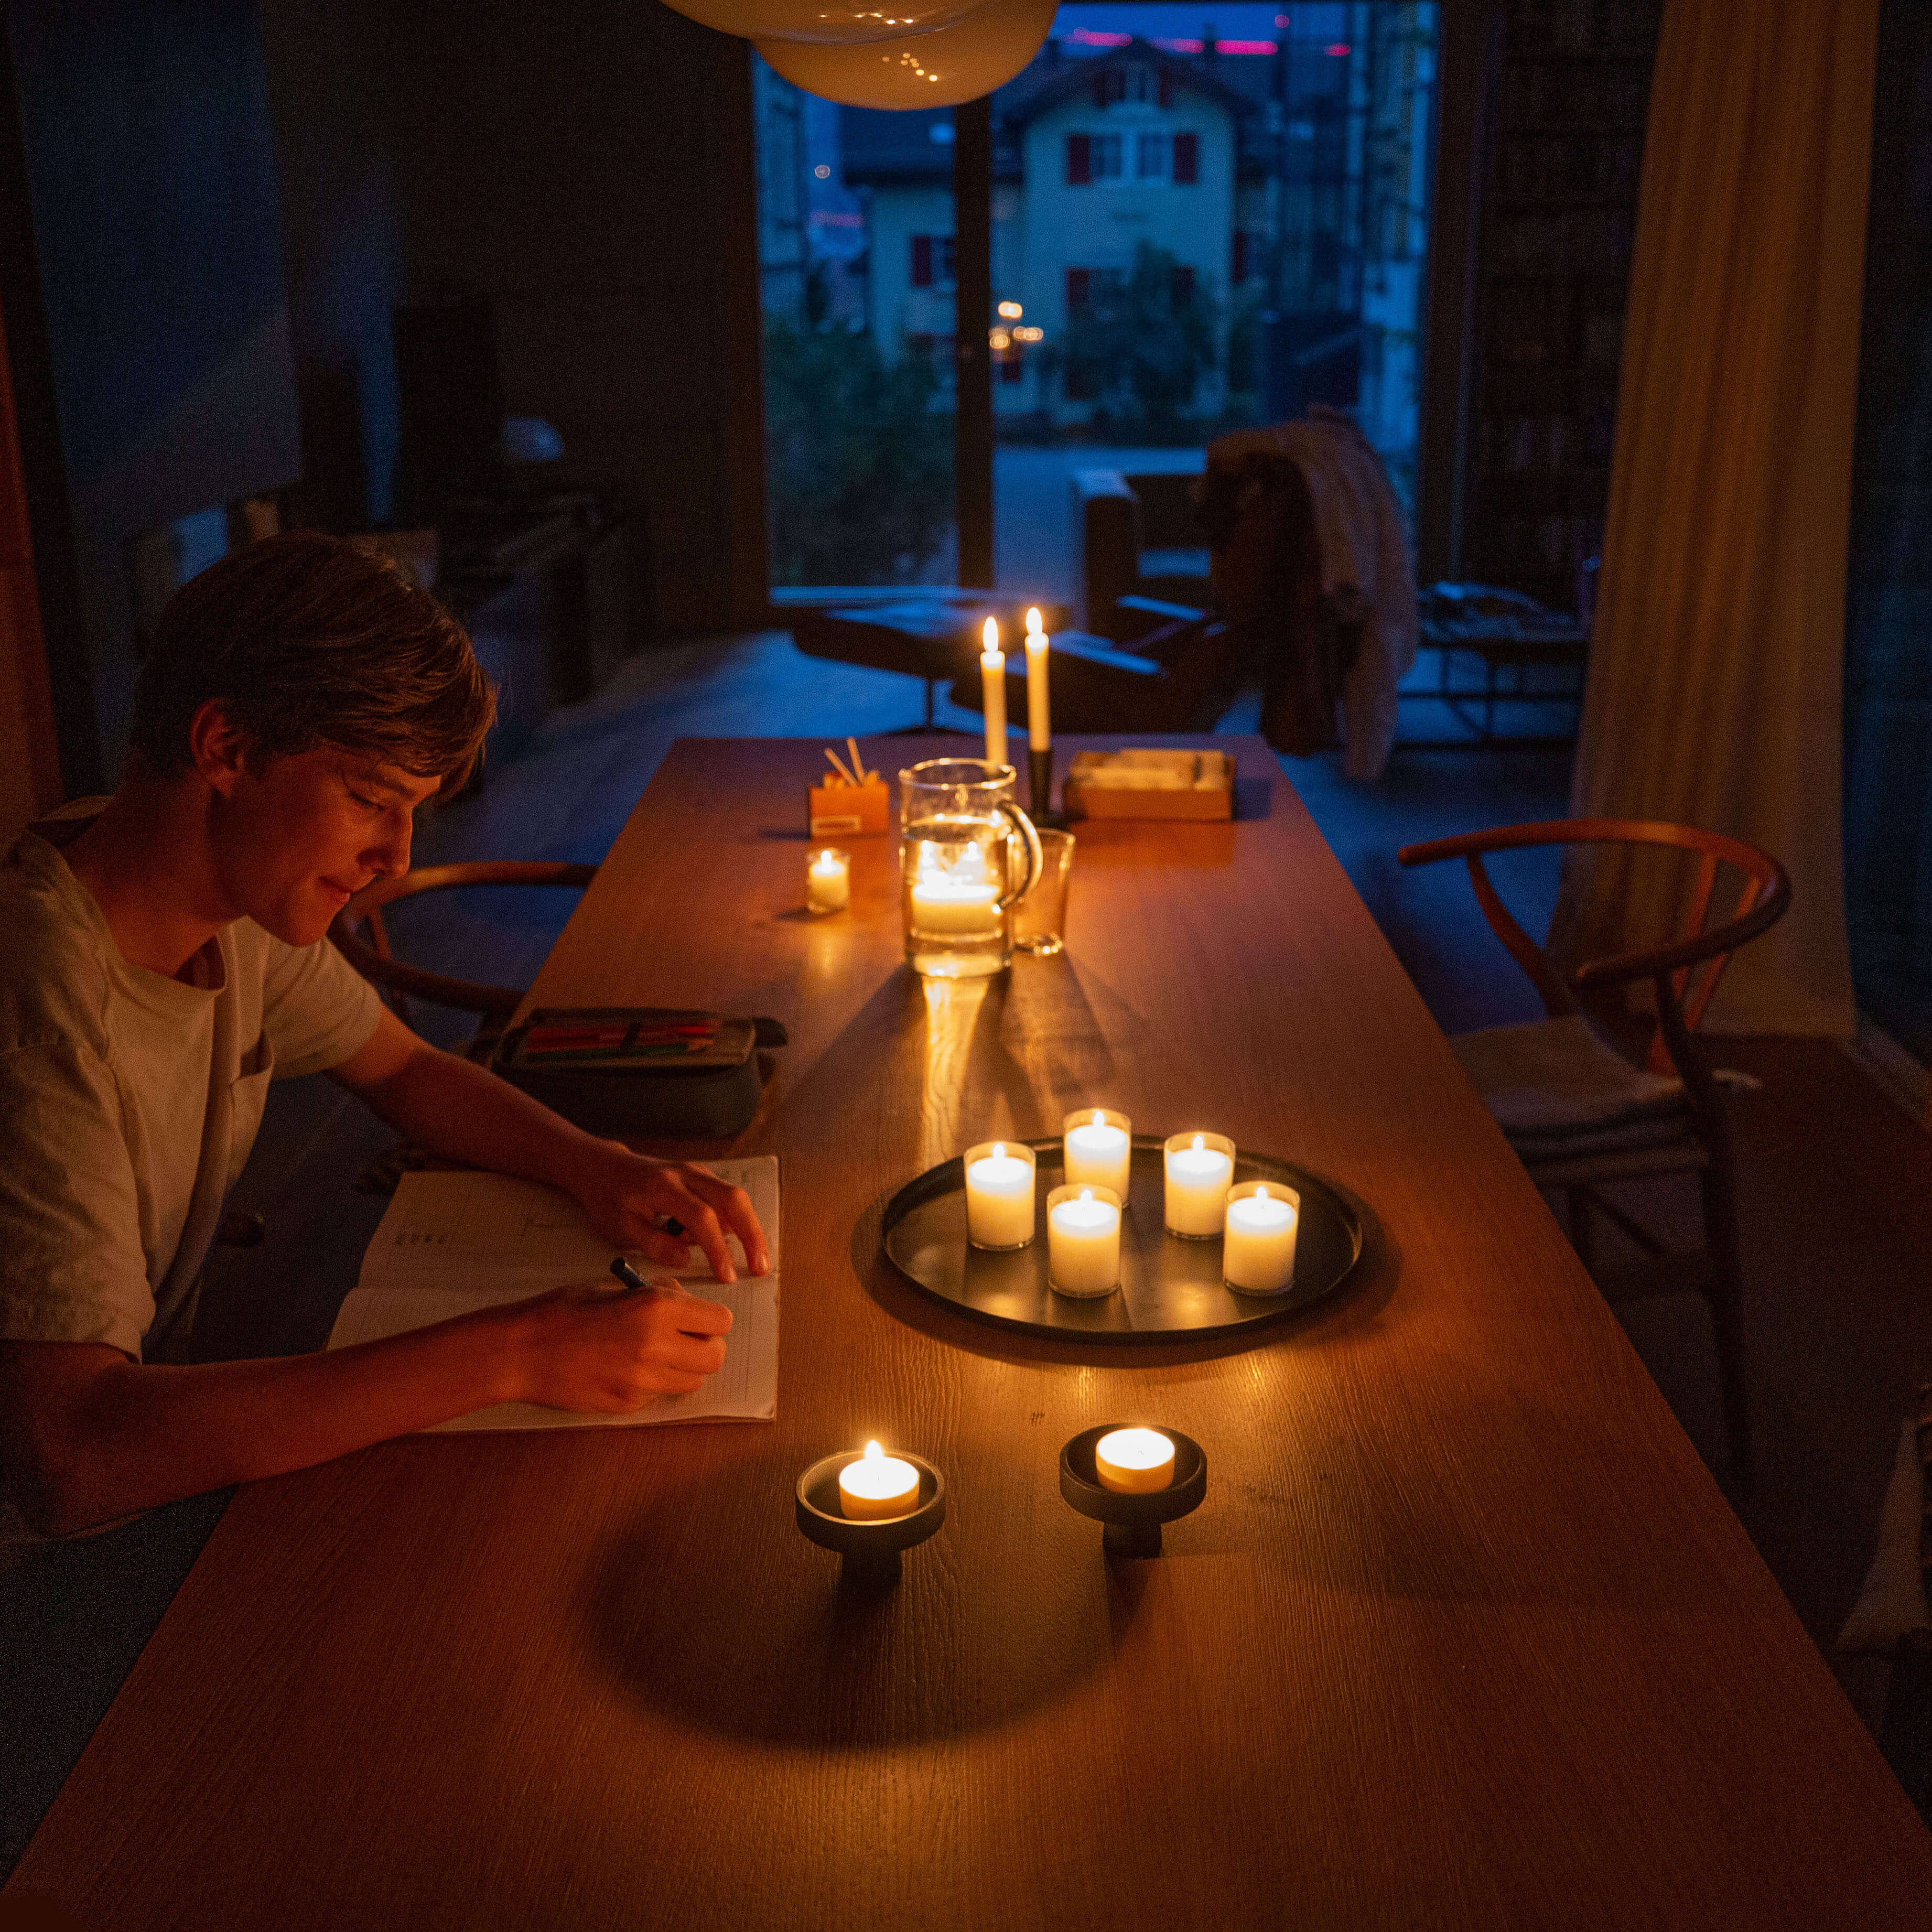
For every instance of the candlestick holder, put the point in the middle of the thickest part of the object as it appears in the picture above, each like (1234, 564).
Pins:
(1039, 774)
(871, 1550)
(1131, 1523)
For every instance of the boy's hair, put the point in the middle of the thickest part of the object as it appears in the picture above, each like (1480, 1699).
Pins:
(307, 640)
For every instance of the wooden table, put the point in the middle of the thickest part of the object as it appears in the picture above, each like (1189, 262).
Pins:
(1464, 1634)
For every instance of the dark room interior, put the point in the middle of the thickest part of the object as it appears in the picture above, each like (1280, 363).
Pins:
(1366, 1185)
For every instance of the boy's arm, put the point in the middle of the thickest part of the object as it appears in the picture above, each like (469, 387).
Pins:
(458, 1109)
(87, 1435)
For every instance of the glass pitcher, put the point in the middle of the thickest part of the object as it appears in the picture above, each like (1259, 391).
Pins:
(966, 852)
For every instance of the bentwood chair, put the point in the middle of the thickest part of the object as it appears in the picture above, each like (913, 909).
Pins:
(1578, 1113)
(400, 982)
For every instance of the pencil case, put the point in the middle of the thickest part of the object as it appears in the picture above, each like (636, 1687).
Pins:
(656, 1072)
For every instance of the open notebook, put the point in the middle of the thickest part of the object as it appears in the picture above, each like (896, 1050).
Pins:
(451, 1243)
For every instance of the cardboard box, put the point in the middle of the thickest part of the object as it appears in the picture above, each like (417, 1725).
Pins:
(1150, 784)
(842, 811)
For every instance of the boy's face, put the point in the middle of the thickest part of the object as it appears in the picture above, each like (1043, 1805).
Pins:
(296, 839)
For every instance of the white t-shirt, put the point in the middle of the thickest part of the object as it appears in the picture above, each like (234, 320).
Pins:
(129, 1101)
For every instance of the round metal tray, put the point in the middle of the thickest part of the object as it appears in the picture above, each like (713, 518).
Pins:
(1170, 1289)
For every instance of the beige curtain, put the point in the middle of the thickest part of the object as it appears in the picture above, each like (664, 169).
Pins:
(1714, 695)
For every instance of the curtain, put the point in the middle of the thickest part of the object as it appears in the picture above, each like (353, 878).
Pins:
(1714, 694)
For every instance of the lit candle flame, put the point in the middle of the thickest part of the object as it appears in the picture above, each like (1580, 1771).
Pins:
(989, 635)
(1034, 627)
(999, 1150)
(1261, 1192)
(1100, 1118)
(1086, 1193)
(873, 1453)
(1200, 1143)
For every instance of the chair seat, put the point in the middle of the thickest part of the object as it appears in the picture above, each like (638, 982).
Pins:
(1553, 1084)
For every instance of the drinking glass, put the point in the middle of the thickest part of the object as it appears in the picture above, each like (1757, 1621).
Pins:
(1039, 920)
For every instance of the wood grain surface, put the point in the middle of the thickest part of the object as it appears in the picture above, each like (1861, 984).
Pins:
(1463, 1635)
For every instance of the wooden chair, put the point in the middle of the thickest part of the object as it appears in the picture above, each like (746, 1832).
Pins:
(1580, 1115)
(399, 982)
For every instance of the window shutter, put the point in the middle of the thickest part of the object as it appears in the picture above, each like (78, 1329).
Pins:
(1078, 281)
(1187, 159)
(922, 261)
(1166, 89)
(1079, 159)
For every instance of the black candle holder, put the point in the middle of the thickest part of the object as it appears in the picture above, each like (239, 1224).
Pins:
(1040, 787)
(871, 1549)
(1132, 1521)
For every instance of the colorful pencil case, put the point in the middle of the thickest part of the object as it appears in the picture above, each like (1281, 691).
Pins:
(667, 1072)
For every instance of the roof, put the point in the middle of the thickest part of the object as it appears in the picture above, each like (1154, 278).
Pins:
(882, 148)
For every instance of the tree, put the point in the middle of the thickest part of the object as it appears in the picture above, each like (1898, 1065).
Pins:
(860, 467)
(1141, 342)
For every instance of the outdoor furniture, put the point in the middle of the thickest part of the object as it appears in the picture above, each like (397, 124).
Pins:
(1512, 636)
(1578, 1114)
(1461, 1635)
(1138, 537)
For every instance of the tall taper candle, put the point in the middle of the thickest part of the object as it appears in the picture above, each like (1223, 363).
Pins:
(1040, 715)
(993, 680)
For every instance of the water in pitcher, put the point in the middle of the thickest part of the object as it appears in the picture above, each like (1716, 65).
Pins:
(952, 874)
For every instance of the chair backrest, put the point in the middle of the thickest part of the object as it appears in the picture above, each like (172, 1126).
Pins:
(1685, 970)
(399, 982)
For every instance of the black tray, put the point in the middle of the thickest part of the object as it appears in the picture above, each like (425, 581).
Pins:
(1170, 1289)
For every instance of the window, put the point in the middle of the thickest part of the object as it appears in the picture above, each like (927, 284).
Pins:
(1105, 149)
(1187, 159)
(1150, 152)
(1079, 288)
(932, 261)
(1079, 159)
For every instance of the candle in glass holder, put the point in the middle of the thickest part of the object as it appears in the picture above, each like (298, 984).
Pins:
(1200, 1168)
(828, 881)
(999, 1195)
(1134, 1461)
(993, 689)
(877, 1486)
(1083, 1241)
(1257, 1244)
(1099, 1149)
(961, 898)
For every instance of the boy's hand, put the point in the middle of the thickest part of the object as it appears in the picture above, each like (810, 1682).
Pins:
(627, 1194)
(604, 1352)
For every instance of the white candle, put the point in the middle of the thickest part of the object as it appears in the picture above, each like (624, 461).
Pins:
(828, 882)
(960, 899)
(1083, 1241)
(993, 683)
(999, 1196)
(1134, 1461)
(877, 1486)
(1039, 715)
(1099, 1150)
(1258, 1251)
(1198, 1177)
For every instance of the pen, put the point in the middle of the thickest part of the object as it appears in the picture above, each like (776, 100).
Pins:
(627, 1274)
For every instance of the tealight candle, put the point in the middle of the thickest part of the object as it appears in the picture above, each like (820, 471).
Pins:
(1099, 1149)
(961, 898)
(1083, 1241)
(999, 1194)
(1200, 1168)
(877, 1486)
(1133, 1461)
(993, 691)
(1258, 1247)
(828, 881)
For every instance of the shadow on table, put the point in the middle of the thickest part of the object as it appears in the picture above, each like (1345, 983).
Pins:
(778, 1647)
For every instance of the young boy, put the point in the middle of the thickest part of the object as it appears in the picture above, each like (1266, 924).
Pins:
(162, 956)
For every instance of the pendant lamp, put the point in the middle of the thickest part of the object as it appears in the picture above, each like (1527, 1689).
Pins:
(827, 22)
(939, 69)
